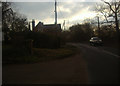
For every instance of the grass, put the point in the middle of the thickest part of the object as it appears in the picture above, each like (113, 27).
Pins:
(14, 55)
(51, 54)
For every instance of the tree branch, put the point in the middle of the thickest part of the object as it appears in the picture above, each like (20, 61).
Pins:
(118, 7)
(109, 6)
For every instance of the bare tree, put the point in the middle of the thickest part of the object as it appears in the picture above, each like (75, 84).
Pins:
(19, 23)
(114, 7)
(110, 9)
(102, 9)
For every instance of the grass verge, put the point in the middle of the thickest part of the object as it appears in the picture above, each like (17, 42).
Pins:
(52, 54)
(13, 56)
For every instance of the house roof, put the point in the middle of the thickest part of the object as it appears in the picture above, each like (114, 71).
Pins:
(58, 26)
(41, 26)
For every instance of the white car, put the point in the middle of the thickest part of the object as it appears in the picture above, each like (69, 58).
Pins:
(95, 41)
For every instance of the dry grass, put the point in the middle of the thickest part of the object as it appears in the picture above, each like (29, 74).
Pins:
(51, 54)
(13, 56)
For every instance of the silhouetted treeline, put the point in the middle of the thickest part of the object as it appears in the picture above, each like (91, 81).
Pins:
(78, 33)
(108, 33)
(83, 32)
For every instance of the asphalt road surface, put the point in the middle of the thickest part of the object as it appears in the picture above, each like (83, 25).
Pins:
(92, 65)
(103, 66)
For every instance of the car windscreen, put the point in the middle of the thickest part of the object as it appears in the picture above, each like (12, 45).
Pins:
(96, 38)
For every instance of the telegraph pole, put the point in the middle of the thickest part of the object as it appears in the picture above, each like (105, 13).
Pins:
(55, 12)
(98, 26)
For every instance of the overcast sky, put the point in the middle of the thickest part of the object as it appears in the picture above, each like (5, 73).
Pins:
(72, 12)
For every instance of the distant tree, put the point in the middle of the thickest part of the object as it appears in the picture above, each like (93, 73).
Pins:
(81, 32)
(114, 6)
(88, 29)
(12, 21)
(108, 32)
(111, 9)
(7, 14)
(19, 23)
(102, 9)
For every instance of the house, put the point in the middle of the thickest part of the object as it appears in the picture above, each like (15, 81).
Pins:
(51, 28)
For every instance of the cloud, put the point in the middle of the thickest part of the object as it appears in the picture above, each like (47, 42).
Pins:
(44, 11)
(76, 8)
(35, 10)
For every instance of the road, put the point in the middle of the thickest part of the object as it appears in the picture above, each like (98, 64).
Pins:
(103, 66)
(92, 65)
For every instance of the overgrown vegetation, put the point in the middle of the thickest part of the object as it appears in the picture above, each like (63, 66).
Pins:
(44, 40)
(13, 55)
(40, 40)
(80, 32)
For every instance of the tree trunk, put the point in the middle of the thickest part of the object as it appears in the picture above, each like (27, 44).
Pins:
(117, 29)
(117, 24)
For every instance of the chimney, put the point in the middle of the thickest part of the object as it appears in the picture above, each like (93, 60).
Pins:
(33, 24)
(29, 25)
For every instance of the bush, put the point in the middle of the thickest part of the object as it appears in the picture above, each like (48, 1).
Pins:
(13, 52)
(44, 40)
(40, 40)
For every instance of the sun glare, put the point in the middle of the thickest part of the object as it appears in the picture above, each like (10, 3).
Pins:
(83, 15)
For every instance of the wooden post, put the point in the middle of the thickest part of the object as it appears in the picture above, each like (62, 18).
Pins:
(30, 46)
